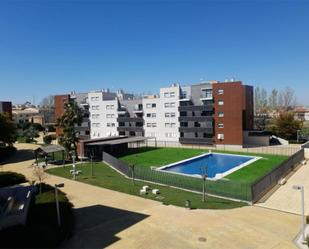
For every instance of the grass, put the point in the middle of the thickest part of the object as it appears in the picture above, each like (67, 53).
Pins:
(41, 230)
(106, 177)
(147, 157)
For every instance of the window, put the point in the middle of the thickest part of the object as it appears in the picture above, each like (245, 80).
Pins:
(151, 115)
(206, 93)
(173, 125)
(94, 116)
(95, 107)
(166, 95)
(151, 105)
(167, 125)
(220, 125)
(108, 124)
(173, 114)
(172, 104)
(148, 124)
(220, 91)
(113, 124)
(197, 124)
(172, 94)
(167, 114)
(220, 136)
(154, 124)
(94, 98)
(221, 114)
(220, 102)
(95, 124)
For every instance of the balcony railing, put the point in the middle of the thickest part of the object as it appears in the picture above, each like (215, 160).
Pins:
(130, 128)
(206, 141)
(196, 108)
(195, 118)
(196, 129)
(130, 119)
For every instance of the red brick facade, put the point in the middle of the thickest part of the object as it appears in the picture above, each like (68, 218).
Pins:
(233, 112)
(60, 100)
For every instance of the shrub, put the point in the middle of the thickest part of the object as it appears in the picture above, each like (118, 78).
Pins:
(8, 178)
(47, 139)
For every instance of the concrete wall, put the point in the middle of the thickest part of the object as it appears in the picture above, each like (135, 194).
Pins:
(306, 153)
(255, 140)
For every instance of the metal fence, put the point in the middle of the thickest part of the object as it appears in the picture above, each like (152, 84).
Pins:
(116, 163)
(222, 187)
(267, 182)
(286, 150)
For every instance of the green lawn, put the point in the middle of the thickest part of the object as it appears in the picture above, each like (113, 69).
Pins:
(106, 177)
(147, 157)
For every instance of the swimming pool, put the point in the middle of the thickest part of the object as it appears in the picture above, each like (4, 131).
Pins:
(217, 165)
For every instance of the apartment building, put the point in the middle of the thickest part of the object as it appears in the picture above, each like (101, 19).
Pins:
(130, 117)
(82, 100)
(206, 113)
(6, 107)
(161, 114)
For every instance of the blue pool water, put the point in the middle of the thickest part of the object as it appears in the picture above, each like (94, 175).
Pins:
(216, 163)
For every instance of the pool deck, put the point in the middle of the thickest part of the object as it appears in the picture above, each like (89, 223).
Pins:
(109, 219)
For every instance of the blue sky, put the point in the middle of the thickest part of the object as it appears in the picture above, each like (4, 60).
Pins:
(52, 47)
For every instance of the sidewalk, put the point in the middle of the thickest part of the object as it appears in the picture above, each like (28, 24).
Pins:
(109, 219)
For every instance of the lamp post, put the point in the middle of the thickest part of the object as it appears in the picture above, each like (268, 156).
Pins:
(301, 188)
(298, 135)
(60, 185)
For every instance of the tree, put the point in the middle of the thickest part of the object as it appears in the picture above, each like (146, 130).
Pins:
(30, 133)
(273, 100)
(39, 175)
(7, 129)
(286, 126)
(71, 117)
(48, 102)
(287, 99)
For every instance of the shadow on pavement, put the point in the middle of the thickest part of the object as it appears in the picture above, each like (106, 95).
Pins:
(97, 226)
(19, 156)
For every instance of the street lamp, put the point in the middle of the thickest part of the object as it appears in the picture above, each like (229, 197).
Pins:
(298, 135)
(301, 188)
(60, 185)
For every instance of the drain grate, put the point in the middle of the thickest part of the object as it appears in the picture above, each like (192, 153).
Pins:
(202, 239)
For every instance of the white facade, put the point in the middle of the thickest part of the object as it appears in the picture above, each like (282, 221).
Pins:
(161, 115)
(103, 115)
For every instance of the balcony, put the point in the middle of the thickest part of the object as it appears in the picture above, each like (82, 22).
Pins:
(130, 128)
(206, 97)
(195, 118)
(130, 119)
(197, 140)
(196, 129)
(196, 108)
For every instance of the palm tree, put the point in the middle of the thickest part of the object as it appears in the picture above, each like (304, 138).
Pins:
(71, 117)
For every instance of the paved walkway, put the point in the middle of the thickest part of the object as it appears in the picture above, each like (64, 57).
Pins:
(106, 218)
(288, 199)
